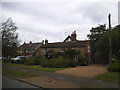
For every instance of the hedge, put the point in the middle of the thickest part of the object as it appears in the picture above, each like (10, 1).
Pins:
(58, 63)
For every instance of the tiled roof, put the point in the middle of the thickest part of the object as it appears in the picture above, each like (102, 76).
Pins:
(29, 46)
(64, 44)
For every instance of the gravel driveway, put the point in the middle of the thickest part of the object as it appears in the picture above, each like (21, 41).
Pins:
(84, 71)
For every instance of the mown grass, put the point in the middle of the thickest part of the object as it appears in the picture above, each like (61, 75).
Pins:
(35, 67)
(17, 74)
(109, 76)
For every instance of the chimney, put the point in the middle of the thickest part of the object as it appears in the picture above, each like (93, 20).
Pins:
(24, 42)
(46, 41)
(30, 42)
(73, 36)
(42, 41)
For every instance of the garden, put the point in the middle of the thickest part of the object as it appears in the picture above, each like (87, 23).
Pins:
(69, 58)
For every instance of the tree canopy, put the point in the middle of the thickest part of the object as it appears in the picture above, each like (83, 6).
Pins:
(9, 38)
(99, 41)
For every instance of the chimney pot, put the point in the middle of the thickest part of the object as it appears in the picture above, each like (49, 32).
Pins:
(30, 42)
(42, 41)
(46, 41)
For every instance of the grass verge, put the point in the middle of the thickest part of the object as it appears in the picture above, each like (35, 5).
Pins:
(109, 76)
(35, 67)
(17, 74)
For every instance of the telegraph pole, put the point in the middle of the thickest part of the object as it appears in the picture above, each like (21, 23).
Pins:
(110, 49)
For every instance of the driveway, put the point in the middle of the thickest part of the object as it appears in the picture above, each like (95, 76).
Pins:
(84, 71)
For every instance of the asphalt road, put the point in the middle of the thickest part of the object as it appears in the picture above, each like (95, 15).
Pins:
(12, 83)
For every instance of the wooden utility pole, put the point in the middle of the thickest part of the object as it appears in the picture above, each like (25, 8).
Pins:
(110, 49)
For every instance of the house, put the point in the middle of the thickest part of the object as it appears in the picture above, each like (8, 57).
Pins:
(70, 42)
(29, 48)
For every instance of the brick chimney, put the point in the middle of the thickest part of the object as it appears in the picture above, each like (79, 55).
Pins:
(46, 41)
(42, 41)
(73, 36)
(30, 42)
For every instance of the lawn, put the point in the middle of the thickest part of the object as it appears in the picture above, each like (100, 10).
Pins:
(110, 76)
(36, 67)
(17, 74)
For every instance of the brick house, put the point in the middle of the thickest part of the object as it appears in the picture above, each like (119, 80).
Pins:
(29, 48)
(69, 43)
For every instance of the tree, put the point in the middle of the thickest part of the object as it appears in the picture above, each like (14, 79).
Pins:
(9, 38)
(103, 43)
(94, 37)
(99, 41)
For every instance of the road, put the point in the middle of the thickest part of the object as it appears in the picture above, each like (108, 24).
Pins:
(12, 83)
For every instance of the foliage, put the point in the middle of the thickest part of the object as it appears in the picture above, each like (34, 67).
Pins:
(9, 38)
(94, 37)
(29, 61)
(71, 54)
(50, 54)
(80, 60)
(38, 60)
(109, 76)
(99, 41)
(114, 67)
(58, 63)
(103, 43)
(63, 59)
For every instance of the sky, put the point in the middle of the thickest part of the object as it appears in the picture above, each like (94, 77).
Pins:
(56, 19)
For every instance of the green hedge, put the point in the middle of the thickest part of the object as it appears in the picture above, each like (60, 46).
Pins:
(29, 61)
(114, 67)
(58, 63)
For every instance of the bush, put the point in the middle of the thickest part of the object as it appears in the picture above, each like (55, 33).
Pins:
(38, 60)
(70, 53)
(50, 54)
(29, 61)
(5, 60)
(58, 63)
(80, 60)
(114, 67)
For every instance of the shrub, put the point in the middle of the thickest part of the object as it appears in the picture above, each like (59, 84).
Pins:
(29, 61)
(50, 54)
(70, 53)
(114, 67)
(38, 60)
(5, 60)
(80, 60)
(20, 61)
(58, 63)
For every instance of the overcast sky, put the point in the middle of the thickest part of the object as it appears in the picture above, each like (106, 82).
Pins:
(37, 21)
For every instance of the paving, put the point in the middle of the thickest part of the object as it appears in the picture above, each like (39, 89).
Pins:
(58, 80)
(12, 83)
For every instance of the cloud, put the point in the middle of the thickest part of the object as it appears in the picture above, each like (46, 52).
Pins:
(37, 21)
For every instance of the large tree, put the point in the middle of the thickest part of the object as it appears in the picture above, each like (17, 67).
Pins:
(96, 32)
(9, 38)
(103, 43)
(99, 41)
